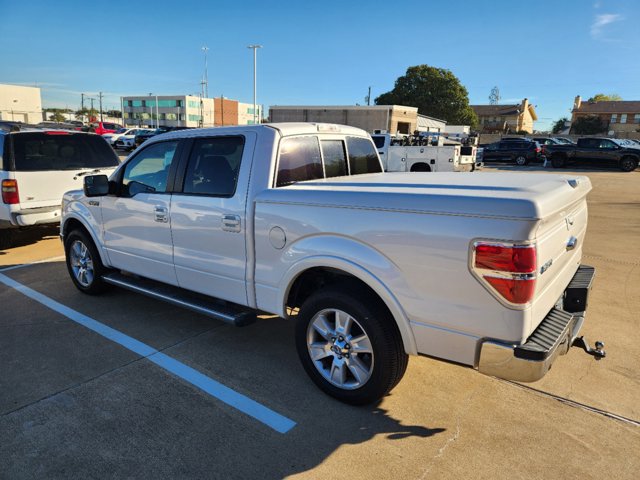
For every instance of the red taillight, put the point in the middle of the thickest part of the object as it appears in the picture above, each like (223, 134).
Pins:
(512, 259)
(56, 132)
(10, 192)
(509, 270)
(514, 291)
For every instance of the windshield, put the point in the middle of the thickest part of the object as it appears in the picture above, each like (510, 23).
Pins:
(37, 151)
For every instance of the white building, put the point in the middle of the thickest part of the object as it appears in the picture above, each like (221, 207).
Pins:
(171, 111)
(245, 114)
(20, 104)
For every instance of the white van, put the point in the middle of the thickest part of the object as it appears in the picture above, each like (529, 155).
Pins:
(37, 166)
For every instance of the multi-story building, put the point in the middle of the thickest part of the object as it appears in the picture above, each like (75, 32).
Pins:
(506, 118)
(618, 117)
(170, 111)
(186, 111)
(20, 104)
(392, 118)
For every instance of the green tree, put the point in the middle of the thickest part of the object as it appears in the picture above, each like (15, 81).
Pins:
(589, 125)
(113, 113)
(559, 125)
(57, 117)
(435, 91)
(601, 97)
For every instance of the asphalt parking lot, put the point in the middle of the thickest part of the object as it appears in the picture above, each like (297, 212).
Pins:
(195, 398)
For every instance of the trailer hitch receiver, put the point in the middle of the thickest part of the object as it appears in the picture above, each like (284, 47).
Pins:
(597, 352)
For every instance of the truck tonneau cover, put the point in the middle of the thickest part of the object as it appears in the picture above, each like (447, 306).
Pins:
(510, 195)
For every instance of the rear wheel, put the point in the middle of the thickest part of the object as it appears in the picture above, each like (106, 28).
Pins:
(83, 263)
(521, 160)
(628, 164)
(349, 345)
(420, 167)
(558, 161)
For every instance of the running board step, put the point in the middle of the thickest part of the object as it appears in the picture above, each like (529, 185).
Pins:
(211, 307)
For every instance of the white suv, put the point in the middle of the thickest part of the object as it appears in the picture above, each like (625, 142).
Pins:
(37, 167)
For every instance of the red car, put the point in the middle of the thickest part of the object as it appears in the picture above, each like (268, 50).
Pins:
(104, 127)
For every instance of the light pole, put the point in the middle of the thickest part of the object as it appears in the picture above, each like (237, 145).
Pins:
(15, 101)
(151, 111)
(255, 49)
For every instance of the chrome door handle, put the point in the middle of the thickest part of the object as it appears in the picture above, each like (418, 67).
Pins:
(161, 214)
(231, 223)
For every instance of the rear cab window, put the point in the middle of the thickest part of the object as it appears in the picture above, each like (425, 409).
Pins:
(310, 157)
(41, 151)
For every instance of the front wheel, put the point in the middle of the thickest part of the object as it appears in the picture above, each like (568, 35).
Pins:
(628, 164)
(521, 160)
(83, 263)
(349, 345)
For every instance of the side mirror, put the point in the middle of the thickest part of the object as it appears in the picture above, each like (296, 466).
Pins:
(96, 185)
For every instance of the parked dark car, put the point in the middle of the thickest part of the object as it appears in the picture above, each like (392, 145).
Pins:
(140, 138)
(595, 151)
(520, 151)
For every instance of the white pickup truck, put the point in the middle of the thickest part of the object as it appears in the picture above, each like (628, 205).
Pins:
(448, 156)
(299, 220)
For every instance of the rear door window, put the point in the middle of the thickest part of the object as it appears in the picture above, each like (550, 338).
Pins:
(37, 151)
(335, 160)
(363, 157)
(300, 160)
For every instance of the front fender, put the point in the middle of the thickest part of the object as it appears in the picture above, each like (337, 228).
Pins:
(73, 209)
(354, 258)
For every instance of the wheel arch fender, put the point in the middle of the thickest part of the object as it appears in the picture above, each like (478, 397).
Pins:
(80, 216)
(353, 268)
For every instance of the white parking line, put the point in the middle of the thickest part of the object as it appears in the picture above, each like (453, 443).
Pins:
(46, 260)
(272, 419)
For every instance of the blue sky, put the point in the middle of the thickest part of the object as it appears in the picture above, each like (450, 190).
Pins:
(326, 52)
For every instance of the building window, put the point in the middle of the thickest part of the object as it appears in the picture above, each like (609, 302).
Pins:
(623, 118)
(194, 104)
(636, 118)
(129, 103)
(194, 118)
(179, 103)
(136, 103)
(181, 117)
(614, 118)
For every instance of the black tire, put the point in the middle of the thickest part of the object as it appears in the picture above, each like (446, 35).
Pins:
(6, 238)
(75, 243)
(558, 161)
(628, 164)
(521, 160)
(387, 361)
(420, 167)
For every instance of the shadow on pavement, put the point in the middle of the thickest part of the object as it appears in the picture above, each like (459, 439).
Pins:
(30, 236)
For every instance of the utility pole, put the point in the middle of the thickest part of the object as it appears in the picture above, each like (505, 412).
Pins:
(255, 49)
(82, 106)
(205, 49)
(100, 97)
(91, 112)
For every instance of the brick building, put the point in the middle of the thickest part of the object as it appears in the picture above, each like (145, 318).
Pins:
(618, 116)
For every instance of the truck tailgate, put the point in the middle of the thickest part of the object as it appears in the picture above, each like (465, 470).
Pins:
(559, 241)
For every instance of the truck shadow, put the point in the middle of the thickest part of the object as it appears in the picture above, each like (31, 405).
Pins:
(31, 236)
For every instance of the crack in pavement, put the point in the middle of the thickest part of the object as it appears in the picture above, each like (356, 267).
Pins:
(453, 438)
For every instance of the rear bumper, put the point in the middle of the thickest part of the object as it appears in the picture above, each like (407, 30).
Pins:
(554, 336)
(33, 216)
